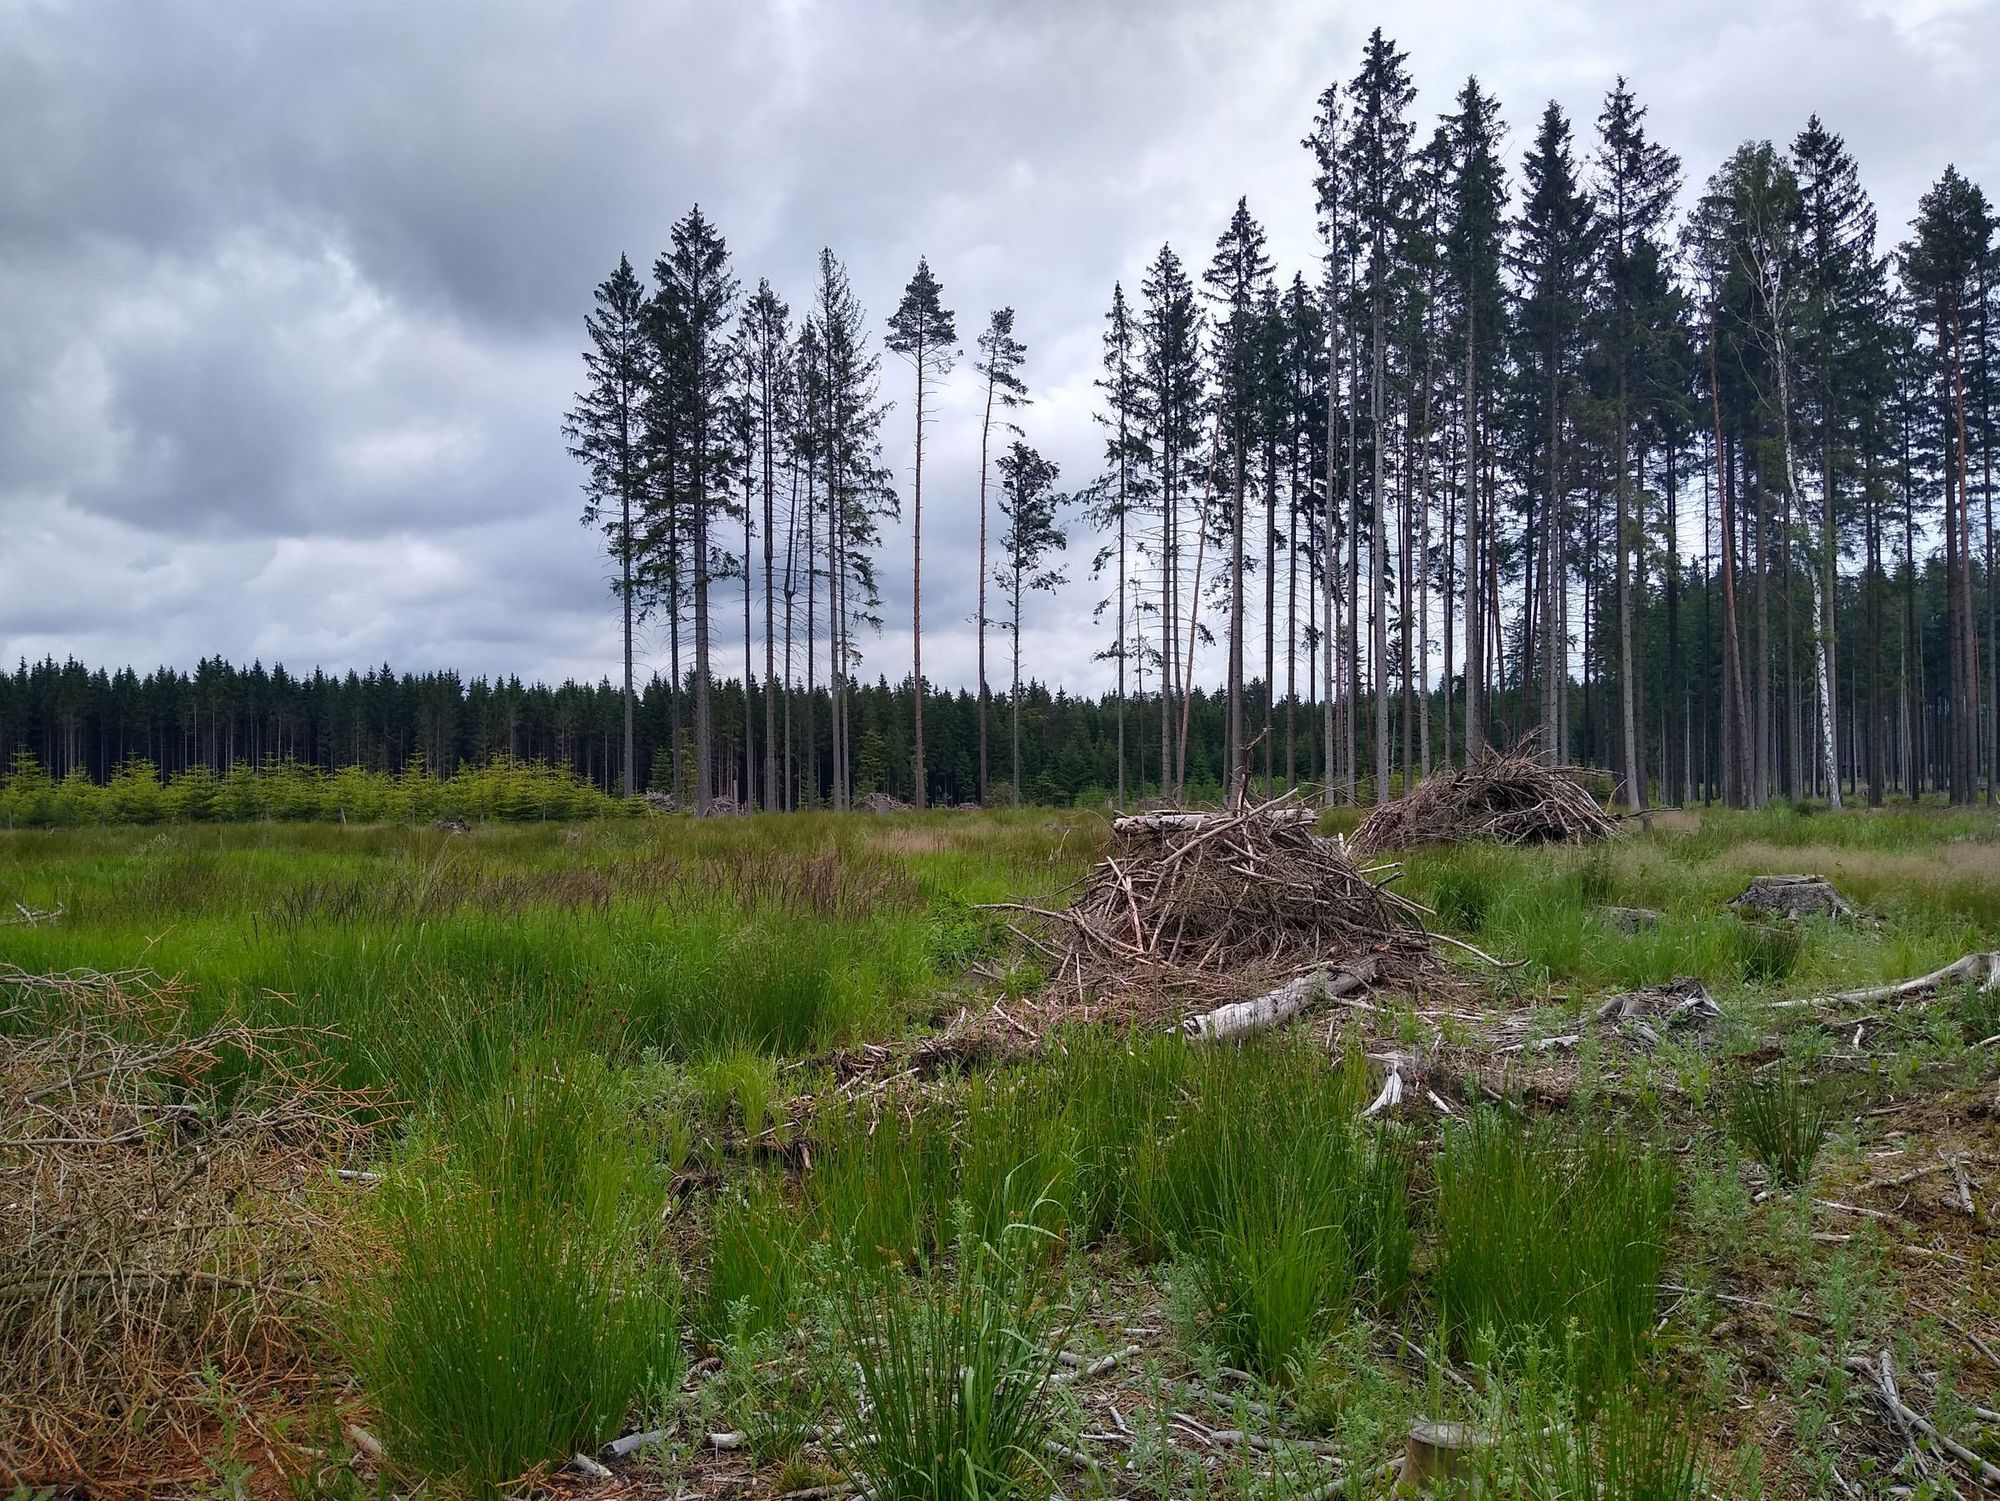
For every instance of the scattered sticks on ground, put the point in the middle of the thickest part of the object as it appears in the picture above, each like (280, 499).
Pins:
(1514, 798)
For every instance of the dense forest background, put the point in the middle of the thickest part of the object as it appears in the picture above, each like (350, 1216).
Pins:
(1695, 486)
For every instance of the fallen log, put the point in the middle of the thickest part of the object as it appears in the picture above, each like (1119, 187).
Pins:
(1981, 969)
(1281, 1005)
(1194, 823)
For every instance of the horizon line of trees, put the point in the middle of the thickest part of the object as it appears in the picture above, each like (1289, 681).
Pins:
(1704, 496)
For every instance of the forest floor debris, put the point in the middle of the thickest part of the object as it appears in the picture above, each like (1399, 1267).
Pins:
(1511, 798)
(165, 1203)
(1206, 907)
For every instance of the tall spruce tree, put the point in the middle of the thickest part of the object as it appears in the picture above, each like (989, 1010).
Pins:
(1029, 505)
(1239, 287)
(1380, 189)
(1837, 270)
(1173, 396)
(604, 431)
(1328, 145)
(1551, 257)
(697, 297)
(1475, 233)
(923, 332)
(1637, 179)
(1943, 265)
(856, 496)
(1001, 356)
(1125, 454)
(767, 341)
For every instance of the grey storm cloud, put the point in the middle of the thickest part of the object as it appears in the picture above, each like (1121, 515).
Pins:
(291, 295)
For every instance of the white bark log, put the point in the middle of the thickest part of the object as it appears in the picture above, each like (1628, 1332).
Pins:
(1280, 1005)
(1193, 823)
(1981, 969)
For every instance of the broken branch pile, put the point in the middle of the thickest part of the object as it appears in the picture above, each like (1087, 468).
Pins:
(1512, 798)
(163, 1206)
(1214, 903)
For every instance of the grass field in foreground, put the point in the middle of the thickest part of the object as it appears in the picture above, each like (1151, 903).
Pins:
(620, 1177)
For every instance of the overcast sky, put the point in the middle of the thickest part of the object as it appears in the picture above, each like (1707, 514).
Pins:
(291, 295)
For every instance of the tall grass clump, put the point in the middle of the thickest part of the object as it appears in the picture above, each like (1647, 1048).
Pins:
(1549, 1238)
(882, 1187)
(1784, 1121)
(1636, 1450)
(511, 1316)
(755, 1275)
(1284, 1208)
(951, 1398)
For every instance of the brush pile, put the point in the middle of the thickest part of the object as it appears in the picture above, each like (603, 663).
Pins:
(165, 1205)
(1209, 905)
(1509, 798)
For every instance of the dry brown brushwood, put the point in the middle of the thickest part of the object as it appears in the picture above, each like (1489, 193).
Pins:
(165, 1200)
(1511, 798)
(1202, 906)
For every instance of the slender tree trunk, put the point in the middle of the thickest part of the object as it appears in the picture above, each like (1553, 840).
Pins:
(749, 673)
(1475, 705)
(917, 775)
(1123, 633)
(1628, 679)
(1378, 556)
(774, 790)
(1014, 696)
(1236, 773)
(1735, 790)
(979, 609)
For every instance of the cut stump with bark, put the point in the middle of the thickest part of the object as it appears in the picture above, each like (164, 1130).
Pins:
(1790, 898)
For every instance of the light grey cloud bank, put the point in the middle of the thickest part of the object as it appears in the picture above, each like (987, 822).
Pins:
(291, 295)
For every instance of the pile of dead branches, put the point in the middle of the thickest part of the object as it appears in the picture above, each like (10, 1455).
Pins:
(1509, 798)
(166, 1201)
(1208, 905)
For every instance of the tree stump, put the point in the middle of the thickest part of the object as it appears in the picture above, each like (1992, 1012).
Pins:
(1792, 897)
(1440, 1458)
(1632, 919)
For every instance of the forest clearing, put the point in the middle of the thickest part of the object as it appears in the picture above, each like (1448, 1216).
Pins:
(791, 1155)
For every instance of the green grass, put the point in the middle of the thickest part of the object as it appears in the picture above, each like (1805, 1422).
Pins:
(1551, 1239)
(514, 1315)
(951, 1400)
(1785, 1121)
(1640, 1448)
(423, 961)
(560, 1021)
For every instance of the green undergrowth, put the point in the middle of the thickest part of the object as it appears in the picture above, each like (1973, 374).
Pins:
(419, 962)
(515, 1306)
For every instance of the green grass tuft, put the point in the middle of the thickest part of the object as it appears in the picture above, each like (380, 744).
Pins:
(951, 1400)
(512, 1318)
(1785, 1122)
(1552, 1239)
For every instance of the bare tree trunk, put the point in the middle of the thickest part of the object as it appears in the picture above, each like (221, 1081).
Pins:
(979, 609)
(1378, 558)
(1475, 707)
(1628, 686)
(917, 774)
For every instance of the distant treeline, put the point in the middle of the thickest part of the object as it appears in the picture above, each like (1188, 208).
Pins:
(75, 721)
